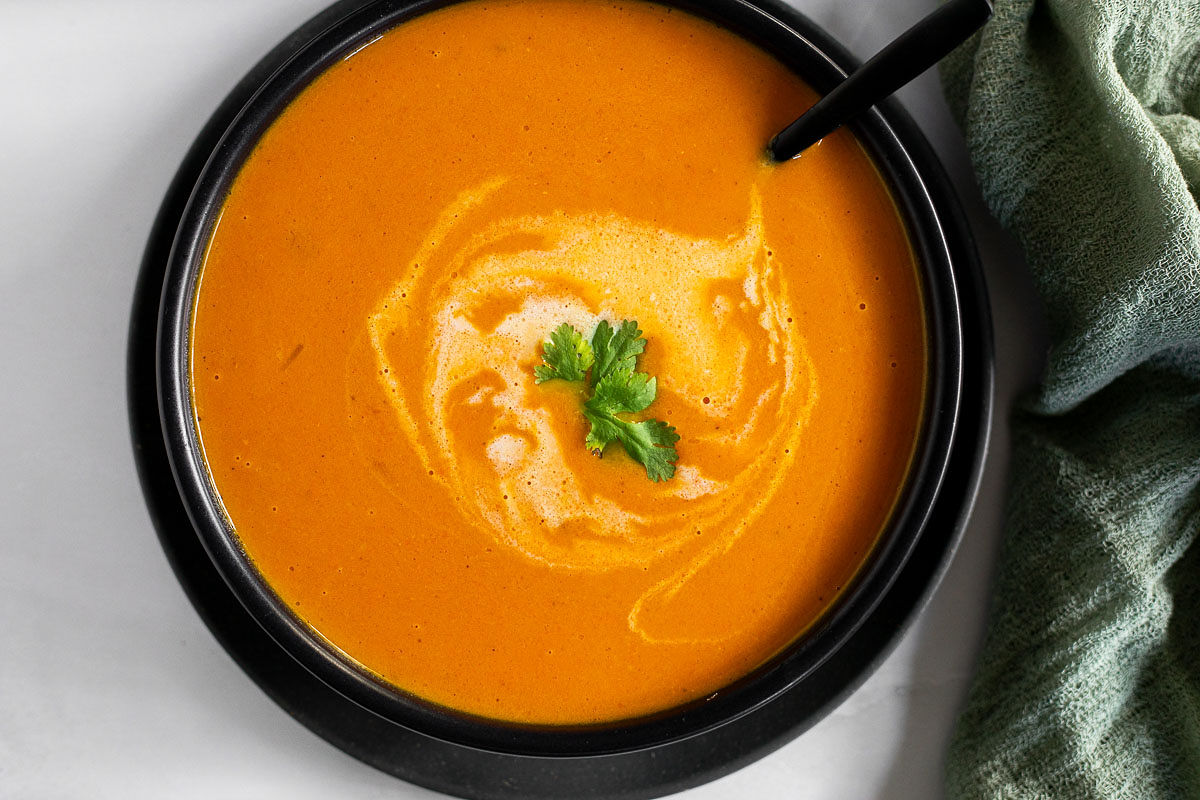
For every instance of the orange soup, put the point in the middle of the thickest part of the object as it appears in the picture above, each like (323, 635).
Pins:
(375, 297)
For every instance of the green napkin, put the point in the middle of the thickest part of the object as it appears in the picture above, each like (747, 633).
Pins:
(1083, 123)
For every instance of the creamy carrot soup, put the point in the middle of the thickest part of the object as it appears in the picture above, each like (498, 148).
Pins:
(376, 295)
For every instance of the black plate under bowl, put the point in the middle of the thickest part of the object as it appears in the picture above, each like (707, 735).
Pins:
(470, 772)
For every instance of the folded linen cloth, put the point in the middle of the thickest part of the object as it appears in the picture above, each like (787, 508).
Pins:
(1083, 122)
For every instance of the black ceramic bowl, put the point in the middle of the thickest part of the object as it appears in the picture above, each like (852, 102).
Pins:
(945, 256)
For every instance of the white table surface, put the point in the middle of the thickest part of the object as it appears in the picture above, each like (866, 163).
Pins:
(110, 685)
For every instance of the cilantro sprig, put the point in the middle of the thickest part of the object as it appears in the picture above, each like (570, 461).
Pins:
(608, 366)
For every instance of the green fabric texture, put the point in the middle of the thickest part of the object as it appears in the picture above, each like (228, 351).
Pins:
(1083, 124)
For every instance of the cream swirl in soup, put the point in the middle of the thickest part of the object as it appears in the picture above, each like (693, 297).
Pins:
(719, 307)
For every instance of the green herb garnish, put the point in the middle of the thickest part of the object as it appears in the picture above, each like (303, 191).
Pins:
(608, 366)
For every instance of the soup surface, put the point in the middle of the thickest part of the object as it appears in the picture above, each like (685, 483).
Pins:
(375, 297)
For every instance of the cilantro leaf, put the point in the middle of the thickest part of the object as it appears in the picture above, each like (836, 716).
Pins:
(651, 442)
(605, 429)
(616, 350)
(566, 354)
(617, 389)
(619, 392)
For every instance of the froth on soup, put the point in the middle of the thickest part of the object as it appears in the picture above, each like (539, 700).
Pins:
(374, 298)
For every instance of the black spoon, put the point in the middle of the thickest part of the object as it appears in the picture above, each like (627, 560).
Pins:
(916, 50)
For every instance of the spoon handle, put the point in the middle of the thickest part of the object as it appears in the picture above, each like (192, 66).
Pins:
(913, 52)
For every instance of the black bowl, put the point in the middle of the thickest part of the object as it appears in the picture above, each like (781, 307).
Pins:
(945, 257)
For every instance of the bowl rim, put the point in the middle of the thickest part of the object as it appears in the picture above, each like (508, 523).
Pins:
(758, 22)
